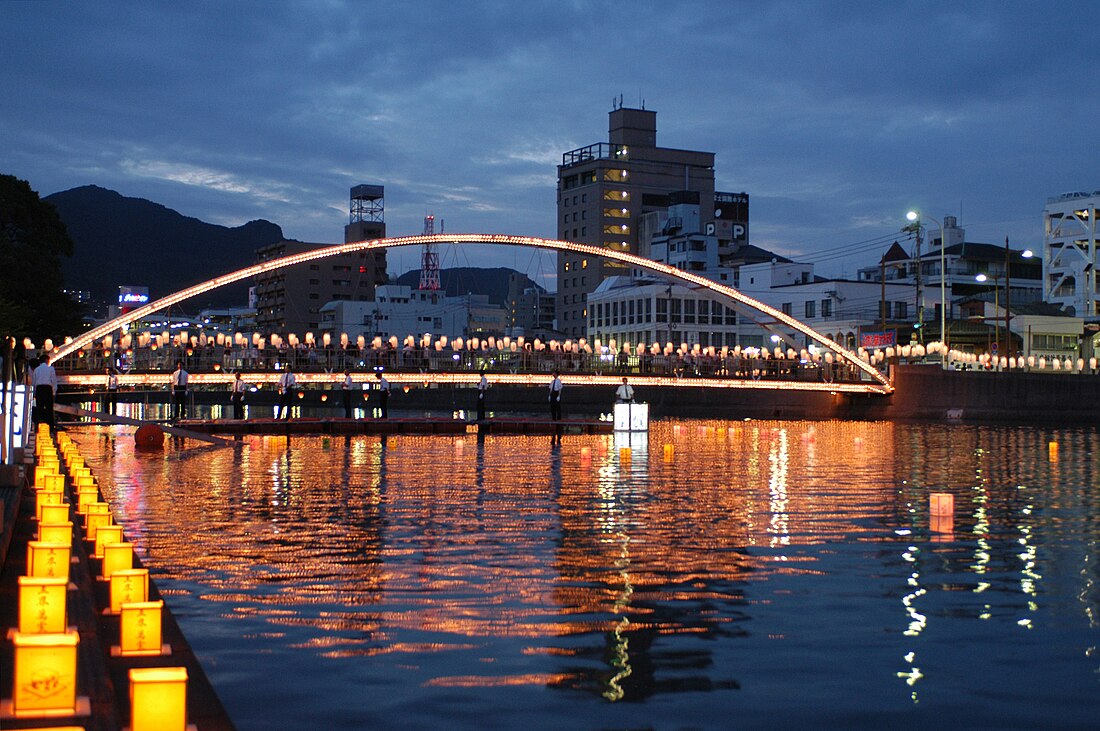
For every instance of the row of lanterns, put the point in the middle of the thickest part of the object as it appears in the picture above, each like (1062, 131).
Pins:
(45, 675)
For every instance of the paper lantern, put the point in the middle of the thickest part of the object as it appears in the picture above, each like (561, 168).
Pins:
(84, 498)
(942, 503)
(48, 560)
(117, 557)
(45, 676)
(42, 604)
(53, 482)
(93, 522)
(45, 497)
(158, 699)
(106, 535)
(140, 630)
(55, 513)
(128, 585)
(60, 532)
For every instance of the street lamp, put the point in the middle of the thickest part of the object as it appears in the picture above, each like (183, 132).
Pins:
(996, 307)
(915, 217)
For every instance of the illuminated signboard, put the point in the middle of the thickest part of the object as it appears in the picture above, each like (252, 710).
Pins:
(130, 296)
(873, 340)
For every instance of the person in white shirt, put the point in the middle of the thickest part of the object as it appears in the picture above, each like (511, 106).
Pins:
(349, 386)
(287, 382)
(625, 393)
(237, 397)
(44, 382)
(179, 390)
(555, 397)
(110, 400)
(383, 394)
(482, 387)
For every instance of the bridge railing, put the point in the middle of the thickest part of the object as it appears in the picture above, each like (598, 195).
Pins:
(149, 360)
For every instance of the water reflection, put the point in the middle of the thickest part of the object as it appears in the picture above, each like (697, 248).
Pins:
(774, 560)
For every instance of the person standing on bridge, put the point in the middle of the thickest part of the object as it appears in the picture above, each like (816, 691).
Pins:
(111, 399)
(44, 382)
(348, 389)
(287, 382)
(555, 397)
(625, 393)
(383, 394)
(237, 397)
(179, 390)
(482, 389)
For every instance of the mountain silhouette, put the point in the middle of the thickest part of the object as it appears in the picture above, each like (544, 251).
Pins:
(456, 281)
(132, 241)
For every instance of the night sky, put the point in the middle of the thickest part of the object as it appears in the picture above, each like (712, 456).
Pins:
(835, 117)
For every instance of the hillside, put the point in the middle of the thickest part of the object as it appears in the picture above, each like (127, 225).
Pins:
(464, 280)
(133, 241)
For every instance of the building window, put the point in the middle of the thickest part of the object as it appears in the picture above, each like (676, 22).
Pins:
(901, 310)
(704, 312)
(689, 311)
(826, 308)
(811, 309)
(662, 310)
(674, 315)
(786, 308)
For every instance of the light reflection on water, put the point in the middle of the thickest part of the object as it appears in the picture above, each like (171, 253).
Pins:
(762, 572)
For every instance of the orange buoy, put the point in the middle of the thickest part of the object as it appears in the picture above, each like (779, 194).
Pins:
(149, 436)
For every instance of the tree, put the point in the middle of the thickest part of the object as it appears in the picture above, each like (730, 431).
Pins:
(32, 241)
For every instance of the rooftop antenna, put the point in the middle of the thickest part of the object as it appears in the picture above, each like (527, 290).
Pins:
(429, 259)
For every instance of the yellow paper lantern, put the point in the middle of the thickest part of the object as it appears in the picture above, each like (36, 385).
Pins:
(42, 605)
(61, 532)
(117, 557)
(53, 482)
(48, 560)
(140, 629)
(45, 675)
(127, 586)
(84, 498)
(158, 699)
(45, 497)
(104, 535)
(942, 504)
(93, 522)
(84, 481)
(55, 513)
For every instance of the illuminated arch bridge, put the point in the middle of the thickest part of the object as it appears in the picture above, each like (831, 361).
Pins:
(867, 379)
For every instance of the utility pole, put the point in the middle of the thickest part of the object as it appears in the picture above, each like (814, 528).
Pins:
(1008, 303)
(920, 288)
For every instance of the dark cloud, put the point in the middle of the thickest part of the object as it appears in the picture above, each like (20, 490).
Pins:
(834, 116)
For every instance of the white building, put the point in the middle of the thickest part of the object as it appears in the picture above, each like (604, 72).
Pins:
(1071, 276)
(400, 310)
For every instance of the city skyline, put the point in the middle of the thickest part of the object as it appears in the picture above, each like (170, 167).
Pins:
(834, 119)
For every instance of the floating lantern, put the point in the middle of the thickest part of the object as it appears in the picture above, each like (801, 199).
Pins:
(94, 521)
(45, 676)
(48, 560)
(670, 452)
(942, 504)
(117, 557)
(128, 585)
(42, 604)
(105, 535)
(140, 630)
(158, 699)
(45, 497)
(60, 532)
(55, 513)
(54, 482)
(84, 498)
(624, 454)
(1052, 451)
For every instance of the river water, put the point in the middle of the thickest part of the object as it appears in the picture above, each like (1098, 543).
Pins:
(708, 575)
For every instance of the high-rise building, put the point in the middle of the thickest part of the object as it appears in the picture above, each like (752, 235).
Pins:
(1071, 253)
(290, 300)
(604, 189)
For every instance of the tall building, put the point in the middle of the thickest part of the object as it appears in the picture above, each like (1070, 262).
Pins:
(1071, 268)
(290, 300)
(604, 189)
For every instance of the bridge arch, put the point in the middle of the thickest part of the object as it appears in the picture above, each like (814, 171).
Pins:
(632, 260)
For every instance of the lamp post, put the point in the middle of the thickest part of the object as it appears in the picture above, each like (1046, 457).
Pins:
(996, 306)
(915, 217)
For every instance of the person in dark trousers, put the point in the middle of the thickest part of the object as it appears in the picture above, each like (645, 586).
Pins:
(110, 400)
(44, 382)
(555, 397)
(179, 391)
(237, 397)
(349, 386)
(286, 393)
(383, 394)
(482, 388)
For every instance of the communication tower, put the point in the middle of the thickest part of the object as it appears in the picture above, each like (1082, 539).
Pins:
(429, 260)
